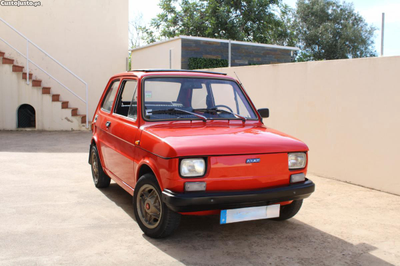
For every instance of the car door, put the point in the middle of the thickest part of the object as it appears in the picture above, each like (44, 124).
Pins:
(122, 128)
(105, 141)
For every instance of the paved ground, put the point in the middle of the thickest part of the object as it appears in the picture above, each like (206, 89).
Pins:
(51, 214)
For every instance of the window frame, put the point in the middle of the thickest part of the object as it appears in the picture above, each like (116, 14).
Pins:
(119, 95)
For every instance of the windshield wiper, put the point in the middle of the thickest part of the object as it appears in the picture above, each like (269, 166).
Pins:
(177, 110)
(210, 110)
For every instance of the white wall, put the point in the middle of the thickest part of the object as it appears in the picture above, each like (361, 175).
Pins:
(89, 37)
(347, 111)
(157, 56)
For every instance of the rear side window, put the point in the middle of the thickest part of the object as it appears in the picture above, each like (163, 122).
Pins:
(127, 101)
(110, 96)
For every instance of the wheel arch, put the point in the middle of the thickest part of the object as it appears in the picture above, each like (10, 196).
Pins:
(93, 142)
(146, 167)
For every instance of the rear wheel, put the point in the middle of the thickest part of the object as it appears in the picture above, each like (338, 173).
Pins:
(100, 179)
(290, 210)
(154, 218)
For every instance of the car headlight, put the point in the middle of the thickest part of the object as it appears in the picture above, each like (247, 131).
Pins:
(297, 160)
(193, 167)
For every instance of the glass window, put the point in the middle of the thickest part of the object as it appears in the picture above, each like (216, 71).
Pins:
(159, 91)
(223, 94)
(186, 98)
(226, 96)
(127, 101)
(199, 97)
(110, 96)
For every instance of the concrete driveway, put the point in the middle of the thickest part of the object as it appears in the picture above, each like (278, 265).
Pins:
(51, 214)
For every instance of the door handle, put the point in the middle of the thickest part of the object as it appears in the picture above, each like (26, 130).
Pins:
(108, 124)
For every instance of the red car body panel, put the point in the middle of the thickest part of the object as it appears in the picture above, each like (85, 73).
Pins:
(171, 140)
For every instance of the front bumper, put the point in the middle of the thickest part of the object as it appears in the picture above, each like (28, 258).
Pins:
(204, 201)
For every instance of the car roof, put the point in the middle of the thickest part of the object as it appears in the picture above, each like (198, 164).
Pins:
(178, 70)
(172, 72)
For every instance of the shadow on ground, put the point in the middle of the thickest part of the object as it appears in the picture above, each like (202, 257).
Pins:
(200, 240)
(45, 141)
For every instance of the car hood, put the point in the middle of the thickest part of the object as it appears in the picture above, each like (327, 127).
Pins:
(206, 140)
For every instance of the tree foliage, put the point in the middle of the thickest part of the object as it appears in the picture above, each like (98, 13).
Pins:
(327, 29)
(136, 30)
(241, 20)
(322, 29)
(201, 63)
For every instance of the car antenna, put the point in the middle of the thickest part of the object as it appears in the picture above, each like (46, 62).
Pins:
(238, 79)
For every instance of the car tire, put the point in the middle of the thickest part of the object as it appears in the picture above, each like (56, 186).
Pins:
(100, 179)
(154, 217)
(290, 210)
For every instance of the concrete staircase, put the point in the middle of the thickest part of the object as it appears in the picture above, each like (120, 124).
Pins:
(52, 113)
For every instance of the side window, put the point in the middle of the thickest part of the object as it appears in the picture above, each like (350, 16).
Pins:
(127, 99)
(110, 96)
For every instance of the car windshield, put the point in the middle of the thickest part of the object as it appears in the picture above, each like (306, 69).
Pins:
(194, 98)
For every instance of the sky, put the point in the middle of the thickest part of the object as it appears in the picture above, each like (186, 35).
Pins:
(371, 10)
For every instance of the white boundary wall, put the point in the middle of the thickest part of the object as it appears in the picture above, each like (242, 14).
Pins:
(347, 111)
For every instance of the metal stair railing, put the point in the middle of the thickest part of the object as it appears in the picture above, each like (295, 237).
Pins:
(86, 100)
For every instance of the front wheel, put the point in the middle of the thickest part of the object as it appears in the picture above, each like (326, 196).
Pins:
(290, 210)
(154, 217)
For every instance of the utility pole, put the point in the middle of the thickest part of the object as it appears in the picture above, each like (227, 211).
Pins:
(382, 32)
(170, 58)
(229, 53)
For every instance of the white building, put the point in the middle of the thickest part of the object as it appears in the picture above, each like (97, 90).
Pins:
(89, 38)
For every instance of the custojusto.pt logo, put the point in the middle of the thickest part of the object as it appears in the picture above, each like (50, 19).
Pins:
(19, 3)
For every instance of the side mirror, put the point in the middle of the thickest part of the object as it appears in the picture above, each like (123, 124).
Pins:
(264, 112)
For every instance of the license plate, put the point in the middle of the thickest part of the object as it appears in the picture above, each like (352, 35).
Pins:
(249, 214)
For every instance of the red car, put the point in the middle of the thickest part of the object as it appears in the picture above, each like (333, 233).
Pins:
(192, 143)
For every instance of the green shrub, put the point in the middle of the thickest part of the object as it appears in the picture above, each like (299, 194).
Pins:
(201, 63)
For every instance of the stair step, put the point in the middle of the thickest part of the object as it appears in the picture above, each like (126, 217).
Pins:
(8, 61)
(46, 90)
(74, 111)
(24, 75)
(83, 118)
(16, 68)
(36, 83)
(64, 105)
(55, 97)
